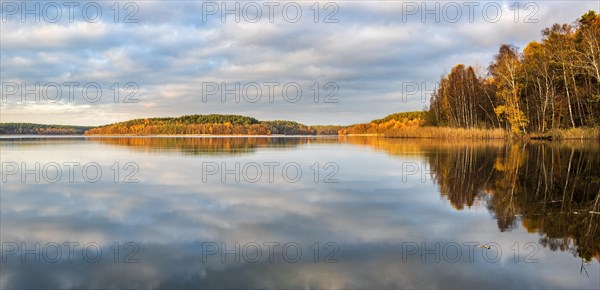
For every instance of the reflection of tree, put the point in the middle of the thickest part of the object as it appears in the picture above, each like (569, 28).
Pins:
(416, 146)
(507, 164)
(561, 197)
(554, 190)
(473, 161)
(550, 188)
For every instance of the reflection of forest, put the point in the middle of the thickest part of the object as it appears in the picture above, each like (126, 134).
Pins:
(551, 188)
(208, 145)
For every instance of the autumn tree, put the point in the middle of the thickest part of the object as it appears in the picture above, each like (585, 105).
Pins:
(460, 100)
(554, 83)
(506, 71)
(540, 87)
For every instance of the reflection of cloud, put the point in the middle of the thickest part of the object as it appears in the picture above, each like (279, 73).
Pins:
(369, 214)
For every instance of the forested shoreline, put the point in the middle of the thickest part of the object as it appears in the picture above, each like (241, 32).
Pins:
(213, 124)
(398, 125)
(40, 129)
(552, 84)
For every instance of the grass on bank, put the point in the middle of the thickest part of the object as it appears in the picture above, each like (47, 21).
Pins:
(566, 134)
(461, 133)
(447, 133)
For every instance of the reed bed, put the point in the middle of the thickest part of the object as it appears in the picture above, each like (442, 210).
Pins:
(448, 133)
(569, 134)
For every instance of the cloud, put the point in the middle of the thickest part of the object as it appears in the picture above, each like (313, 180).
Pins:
(174, 47)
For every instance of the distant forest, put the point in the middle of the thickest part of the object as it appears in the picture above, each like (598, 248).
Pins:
(189, 124)
(39, 129)
(211, 124)
(241, 125)
(217, 125)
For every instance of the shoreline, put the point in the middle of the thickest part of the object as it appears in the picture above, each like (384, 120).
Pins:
(440, 133)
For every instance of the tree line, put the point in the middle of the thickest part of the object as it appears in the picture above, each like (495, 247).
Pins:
(216, 124)
(39, 129)
(213, 124)
(551, 84)
(396, 121)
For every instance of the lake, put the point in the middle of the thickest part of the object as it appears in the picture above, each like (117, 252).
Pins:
(298, 212)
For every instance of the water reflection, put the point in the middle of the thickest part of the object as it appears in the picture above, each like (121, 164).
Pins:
(211, 145)
(547, 188)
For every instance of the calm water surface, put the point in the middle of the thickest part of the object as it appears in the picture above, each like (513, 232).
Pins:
(348, 212)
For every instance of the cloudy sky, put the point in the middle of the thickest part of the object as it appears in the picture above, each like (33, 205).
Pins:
(326, 63)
